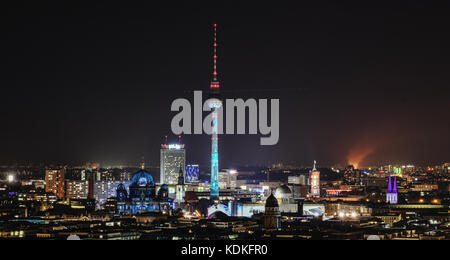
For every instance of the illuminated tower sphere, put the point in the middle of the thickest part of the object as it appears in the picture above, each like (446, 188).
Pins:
(215, 104)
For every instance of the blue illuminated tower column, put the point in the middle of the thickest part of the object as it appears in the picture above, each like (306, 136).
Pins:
(215, 104)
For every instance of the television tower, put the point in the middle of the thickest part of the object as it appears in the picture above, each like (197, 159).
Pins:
(215, 104)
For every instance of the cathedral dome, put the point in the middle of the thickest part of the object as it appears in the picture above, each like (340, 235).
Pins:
(271, 202)
(142, 179)
(283, 191)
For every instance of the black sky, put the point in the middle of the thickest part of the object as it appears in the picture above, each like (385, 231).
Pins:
(94, 82)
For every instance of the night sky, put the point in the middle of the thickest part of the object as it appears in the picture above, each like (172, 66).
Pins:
(94, 82)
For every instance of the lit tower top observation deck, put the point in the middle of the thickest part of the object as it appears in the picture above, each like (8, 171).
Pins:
(215, 104)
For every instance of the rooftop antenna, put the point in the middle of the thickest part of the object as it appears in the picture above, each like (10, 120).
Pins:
(143, 163)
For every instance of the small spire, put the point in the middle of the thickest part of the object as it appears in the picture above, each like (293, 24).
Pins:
(143, 163)
(395, 184)
(181, 176)
(315, 166)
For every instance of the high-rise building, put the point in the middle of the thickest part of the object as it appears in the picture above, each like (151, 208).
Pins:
(55, 182)
(192, 172)
(173, 157)
(392, 193)
(77, 189)
(215, 104)
(228, 179)
(298, 180)
(315, 181)
(103, 190)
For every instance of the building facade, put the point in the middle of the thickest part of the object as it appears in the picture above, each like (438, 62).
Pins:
(103, 190)
(55, 182)
(142, 197)
(228, 179)
(77, 189)
(172, 158)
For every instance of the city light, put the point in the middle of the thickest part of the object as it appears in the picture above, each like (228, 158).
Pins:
(11, 178)
(215, 169)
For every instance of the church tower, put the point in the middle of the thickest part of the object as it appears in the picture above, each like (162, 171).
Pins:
(272, 216)
(392, 193)
(180, 189)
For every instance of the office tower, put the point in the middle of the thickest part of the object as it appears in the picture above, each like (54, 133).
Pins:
(103, 190)
(315, 182)
(215, 103)
(173, 157)
(77, 189)
(192, 172)
(228, 179)
(55, 182)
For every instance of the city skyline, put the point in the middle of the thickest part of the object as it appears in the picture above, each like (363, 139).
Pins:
(220, 129)
(369, 93)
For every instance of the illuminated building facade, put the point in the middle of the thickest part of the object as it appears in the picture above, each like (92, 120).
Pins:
(192, 172)
(141, 196)
(103, 190)
(315, 182)
(55, 182)
(228, 179)
(392, 193)
(173, 157)
(77, 189)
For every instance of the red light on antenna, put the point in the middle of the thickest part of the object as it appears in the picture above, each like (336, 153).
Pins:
(215, 25)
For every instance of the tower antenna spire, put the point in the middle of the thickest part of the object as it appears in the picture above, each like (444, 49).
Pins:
(215, 82)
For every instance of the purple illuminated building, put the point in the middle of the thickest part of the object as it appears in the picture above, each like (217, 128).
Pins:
(392, 193)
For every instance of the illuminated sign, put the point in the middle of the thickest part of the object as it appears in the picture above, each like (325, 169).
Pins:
(173, 146)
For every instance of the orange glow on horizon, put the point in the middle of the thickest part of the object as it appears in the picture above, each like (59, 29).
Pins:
(358, 153)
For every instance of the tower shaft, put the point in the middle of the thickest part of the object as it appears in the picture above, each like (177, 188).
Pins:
(215, 106)
(215, 157)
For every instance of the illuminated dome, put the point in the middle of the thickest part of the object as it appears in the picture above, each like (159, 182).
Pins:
(163, 191)
(283, 191)
(283, 194)
(271, 202)
(142, 179)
